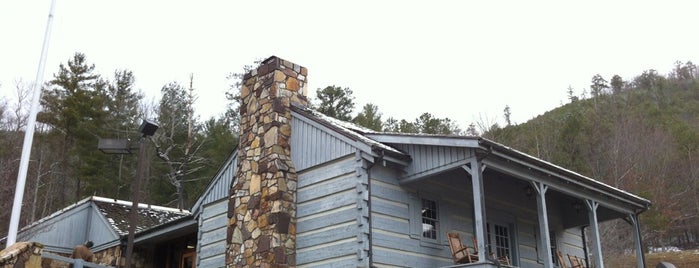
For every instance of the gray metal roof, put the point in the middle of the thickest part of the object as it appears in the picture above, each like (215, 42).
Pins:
(381, 141)
(110, 221)
(492, 146)
(350, 130)
(116, 212)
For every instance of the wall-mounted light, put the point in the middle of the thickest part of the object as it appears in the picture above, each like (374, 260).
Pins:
(528, 191)
(578, 206)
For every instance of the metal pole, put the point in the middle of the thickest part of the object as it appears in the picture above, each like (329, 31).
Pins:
(29, 136)
(133, 216)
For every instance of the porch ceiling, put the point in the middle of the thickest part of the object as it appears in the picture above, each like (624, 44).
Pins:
(179, 228)
(513, 190)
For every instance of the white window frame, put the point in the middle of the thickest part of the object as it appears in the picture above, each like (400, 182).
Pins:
(493, 239)
(497, 237)
(416, 225)
(425, 215)
(496, 216)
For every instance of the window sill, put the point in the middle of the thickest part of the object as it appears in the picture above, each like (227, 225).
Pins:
(431, 244)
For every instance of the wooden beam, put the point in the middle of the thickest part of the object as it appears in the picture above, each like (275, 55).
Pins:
(425, 174)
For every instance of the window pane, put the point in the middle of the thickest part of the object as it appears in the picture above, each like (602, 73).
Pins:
(552, 236)
(429, 219)
(502, 240)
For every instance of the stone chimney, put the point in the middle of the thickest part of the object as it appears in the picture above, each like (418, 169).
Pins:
(262, 204)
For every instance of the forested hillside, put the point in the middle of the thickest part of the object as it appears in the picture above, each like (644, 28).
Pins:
(78, 107)
(640, 135)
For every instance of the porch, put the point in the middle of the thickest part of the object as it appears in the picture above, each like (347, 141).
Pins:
(521, 211)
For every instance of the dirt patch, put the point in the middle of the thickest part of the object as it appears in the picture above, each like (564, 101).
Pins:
(682, 259)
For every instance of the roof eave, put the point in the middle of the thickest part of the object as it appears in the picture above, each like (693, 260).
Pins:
(424, 139)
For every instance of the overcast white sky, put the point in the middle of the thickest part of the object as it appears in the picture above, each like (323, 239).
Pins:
(464, 60)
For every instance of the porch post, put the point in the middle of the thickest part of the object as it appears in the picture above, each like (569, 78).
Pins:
(478, 208)
(596, 244)
(640, 260)
(543, 222)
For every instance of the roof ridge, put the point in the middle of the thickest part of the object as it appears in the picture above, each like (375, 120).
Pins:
(140, 205)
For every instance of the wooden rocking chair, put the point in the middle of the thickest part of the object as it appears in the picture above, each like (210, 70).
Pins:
(576, 262)
(459, 252)
(561, 260)
(504, 260)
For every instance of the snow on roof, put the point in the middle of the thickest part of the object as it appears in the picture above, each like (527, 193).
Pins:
(117, 214)
(359, 133)
(355, 131)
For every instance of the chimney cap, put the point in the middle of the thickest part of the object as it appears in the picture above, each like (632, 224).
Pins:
(270, 59)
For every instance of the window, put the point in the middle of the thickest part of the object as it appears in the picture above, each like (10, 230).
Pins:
(425, 224)
(554, 247)
(188, 259)
(500, 240)
(429, 219)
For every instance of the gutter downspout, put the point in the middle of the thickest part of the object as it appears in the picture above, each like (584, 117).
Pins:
(584, 241)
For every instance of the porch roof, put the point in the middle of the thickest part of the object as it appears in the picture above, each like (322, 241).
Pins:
(564, 173)
(490, 148)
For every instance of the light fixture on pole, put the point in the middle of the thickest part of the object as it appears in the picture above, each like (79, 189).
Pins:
(122, 146)
(114, 146)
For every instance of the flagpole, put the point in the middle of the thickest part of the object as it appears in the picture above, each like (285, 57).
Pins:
(29, 135)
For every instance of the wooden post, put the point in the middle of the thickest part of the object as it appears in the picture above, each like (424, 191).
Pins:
(542, 212)
(594, 227)
(636, 225)
(479, 216)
